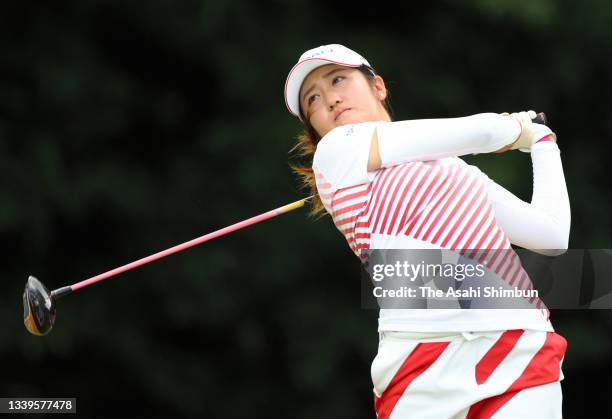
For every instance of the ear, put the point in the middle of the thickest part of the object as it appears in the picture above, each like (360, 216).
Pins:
(380, 89)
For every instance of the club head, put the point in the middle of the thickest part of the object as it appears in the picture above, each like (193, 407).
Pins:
(38, 308)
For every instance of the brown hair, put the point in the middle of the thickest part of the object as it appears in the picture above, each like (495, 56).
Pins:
(306, 146)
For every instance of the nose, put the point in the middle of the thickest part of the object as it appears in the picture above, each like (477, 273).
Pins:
(333, 100)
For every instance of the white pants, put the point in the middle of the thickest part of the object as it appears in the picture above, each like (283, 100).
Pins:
(500, 374)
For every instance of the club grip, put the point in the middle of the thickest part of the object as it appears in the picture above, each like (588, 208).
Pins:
(540, 118)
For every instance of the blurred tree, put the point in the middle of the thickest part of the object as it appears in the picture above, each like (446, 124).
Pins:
(128, 127)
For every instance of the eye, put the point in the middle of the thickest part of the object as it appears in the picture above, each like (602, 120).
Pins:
(338, 79)
(312, 99)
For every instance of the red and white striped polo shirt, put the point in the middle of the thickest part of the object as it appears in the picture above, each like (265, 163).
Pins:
(440, 204)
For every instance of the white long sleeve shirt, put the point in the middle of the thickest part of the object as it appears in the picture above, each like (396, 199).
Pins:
(427, 198)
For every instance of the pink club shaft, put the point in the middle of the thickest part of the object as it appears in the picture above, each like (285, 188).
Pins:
(226, 230)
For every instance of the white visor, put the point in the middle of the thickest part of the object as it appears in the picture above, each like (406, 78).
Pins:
(312, 59)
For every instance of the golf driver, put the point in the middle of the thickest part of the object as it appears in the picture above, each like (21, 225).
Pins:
(540, 118)
(39, 303)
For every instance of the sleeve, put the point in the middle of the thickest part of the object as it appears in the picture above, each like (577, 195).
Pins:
(341, 157)
(542, 225)
(433, 139)
(342, 154)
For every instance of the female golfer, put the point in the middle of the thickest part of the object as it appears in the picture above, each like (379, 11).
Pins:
(400, 185)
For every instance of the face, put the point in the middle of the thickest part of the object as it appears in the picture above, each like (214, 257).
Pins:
(333, 95)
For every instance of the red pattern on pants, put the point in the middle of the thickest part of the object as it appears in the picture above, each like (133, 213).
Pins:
(488, 390)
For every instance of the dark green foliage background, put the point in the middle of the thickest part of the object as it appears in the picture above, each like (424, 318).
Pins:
(128, 127)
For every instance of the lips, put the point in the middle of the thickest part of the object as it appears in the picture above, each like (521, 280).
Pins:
(340, 112)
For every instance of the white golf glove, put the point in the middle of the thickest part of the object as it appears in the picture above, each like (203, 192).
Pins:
(530, 131)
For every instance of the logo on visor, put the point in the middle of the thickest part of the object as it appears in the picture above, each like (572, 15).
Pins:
(321, 52)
